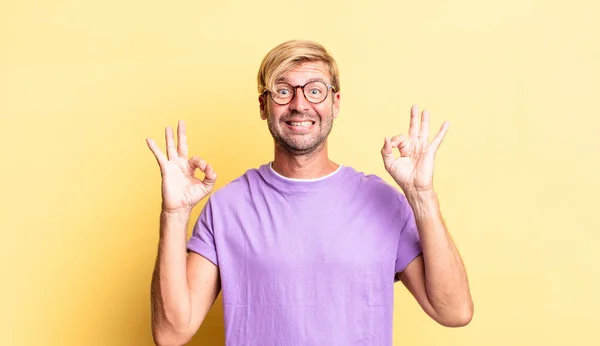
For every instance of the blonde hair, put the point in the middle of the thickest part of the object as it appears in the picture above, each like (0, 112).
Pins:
(290, 54)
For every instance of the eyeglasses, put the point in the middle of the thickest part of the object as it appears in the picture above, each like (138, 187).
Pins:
(315, 92)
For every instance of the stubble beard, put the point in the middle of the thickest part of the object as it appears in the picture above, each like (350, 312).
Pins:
(300, 144)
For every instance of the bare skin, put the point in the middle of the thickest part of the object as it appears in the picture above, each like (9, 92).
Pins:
(437, 278)
(303, 154)
(184, 287)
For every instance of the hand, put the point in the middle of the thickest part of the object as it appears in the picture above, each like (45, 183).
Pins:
(181, 190)
(413, 170)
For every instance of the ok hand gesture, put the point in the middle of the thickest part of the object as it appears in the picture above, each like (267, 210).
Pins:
(181, 190)
(413, 170)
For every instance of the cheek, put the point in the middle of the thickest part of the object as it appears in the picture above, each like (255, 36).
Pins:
(273, 112)
(326, 111)
(268, 113)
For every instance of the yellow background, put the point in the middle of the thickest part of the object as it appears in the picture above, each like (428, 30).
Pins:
(83, 83)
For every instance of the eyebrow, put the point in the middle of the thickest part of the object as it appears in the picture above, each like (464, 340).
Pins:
(285, 80)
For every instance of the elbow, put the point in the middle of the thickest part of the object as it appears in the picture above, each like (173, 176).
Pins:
(171, 328)
(460, 317)
(458, 321)
(169, 337)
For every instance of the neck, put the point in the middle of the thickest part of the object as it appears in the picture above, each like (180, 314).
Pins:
(311, 165)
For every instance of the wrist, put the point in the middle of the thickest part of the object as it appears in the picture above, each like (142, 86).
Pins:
(420, 194)
(423, 202)
(175, 216)
(176, 212)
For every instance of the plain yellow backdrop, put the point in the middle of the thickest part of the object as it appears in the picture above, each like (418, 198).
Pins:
(82, 84)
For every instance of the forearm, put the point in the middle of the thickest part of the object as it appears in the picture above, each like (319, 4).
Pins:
(445, 275)
(171, 297)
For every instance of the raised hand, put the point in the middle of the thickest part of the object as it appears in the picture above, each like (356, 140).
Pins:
(413, 170)
(181, 190)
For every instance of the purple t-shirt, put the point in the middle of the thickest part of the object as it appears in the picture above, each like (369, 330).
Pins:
(307, 262)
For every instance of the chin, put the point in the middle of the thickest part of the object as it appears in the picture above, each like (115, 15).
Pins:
(296, 148)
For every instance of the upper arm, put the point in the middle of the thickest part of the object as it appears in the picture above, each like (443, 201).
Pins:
(204, 284)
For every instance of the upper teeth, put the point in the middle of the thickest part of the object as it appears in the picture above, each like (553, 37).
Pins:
(303, 123)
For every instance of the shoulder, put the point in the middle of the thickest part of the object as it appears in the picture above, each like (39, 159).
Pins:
(238, 189)
(372, 181)
(376, 188)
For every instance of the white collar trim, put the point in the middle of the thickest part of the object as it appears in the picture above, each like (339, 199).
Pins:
(304, 180)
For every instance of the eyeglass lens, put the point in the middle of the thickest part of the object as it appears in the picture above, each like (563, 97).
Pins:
(314, 92)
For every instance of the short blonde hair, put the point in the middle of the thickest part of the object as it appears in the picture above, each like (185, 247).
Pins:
(290, 54)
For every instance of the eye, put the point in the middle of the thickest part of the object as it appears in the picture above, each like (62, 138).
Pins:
(283, 90)
(315, 89)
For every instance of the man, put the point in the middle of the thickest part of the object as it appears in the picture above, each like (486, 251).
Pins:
(305, 251)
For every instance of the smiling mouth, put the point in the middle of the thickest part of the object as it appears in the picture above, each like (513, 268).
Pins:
(300, 123)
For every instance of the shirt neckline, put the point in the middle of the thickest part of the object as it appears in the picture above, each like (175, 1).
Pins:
(284, 184)
(300, 180)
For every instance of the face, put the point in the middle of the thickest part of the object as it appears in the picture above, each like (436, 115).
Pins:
(301, 127)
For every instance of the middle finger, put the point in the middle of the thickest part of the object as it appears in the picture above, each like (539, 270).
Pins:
(171, 152)
(413, 130)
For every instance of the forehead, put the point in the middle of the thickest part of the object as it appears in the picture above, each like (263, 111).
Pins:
(306, 72)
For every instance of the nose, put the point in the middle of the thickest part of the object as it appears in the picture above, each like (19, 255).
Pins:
(299, 103)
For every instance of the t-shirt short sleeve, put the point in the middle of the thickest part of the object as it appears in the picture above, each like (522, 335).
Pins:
(409, 245)
(202, 240)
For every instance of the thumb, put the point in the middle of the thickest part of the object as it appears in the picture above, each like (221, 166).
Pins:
(210, 177)
(387, 152)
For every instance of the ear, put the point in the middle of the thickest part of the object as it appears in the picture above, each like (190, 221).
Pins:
(263, 104)
(336, 104)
